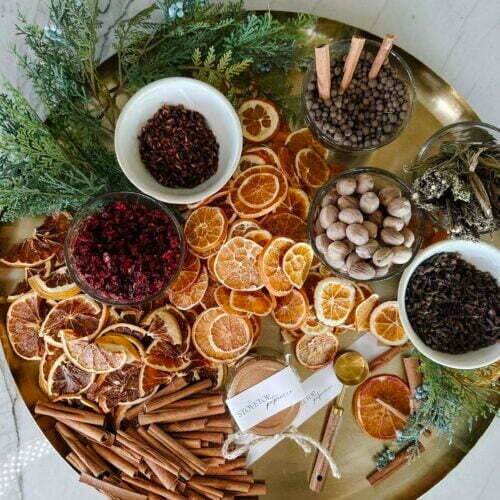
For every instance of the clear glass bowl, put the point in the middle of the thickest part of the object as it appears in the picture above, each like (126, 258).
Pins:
(338, 50)
(382, 178)
(90, 208)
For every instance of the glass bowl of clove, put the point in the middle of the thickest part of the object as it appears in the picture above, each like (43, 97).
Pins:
(363, 108)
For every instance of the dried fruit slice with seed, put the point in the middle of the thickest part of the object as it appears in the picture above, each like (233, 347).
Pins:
(58, 285)
(205, 228)
(303, 138)
(236, 264)
(386, 325)
(286, 224)
(311, 169)
(192, 296)
(259, 190)
(291, 310)
(271, 272)
(316, 351)
(24, 320)
(256, 302)
(66, 378)
(259, 119)
(334, 299)
(297, 263)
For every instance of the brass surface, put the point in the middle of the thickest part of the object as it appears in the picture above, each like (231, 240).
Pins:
(351, 368)
(286, 468)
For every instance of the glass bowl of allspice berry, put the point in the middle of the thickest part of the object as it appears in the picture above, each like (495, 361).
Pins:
(371, 112)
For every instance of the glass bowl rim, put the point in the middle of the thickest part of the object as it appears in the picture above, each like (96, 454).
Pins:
(316, 202)
(346, 149)
(79, 216)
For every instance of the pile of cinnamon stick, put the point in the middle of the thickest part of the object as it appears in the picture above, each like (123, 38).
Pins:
(171, 449)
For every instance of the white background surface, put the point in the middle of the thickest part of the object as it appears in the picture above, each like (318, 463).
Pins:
(459, 39)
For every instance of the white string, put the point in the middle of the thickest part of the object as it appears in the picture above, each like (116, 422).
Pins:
(239, 443)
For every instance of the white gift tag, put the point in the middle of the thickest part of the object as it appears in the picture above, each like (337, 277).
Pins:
(265, 399)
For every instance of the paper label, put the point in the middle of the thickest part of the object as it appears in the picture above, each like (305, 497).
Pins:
(265, 399)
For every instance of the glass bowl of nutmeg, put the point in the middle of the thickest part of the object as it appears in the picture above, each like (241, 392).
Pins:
(364, 226)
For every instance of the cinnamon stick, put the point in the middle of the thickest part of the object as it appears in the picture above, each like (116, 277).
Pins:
(211, 437)
(115, 460)
(217, 471)
(207, 452)
(216, 400)
(194, 495)
(180, 414)
(224, 421)
(237, 463)
(387, 356)
(414, 377)
(323, 71)
(197, 424)
(126, 453)
(222, 484)
(162, 401)
(257, 489)
(351, 61)
(207, 491)
(190, 443)
(382, 54)
(213, 461)
(166, 478)
(94, 433)
(59, 411)
(151, 487)
(401, 459)
(75, 461)
(110, 489)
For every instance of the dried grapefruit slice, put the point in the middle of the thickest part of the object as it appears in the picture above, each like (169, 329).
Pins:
(257, 302)
(296, 202)
(114, 341)
(303, 138)
(205, 228)
(236, 264)
(286, 224)
(188, 274)
(297, 263)
(50, 356)
(222, 296)
(386, 325)
(192, 296)
(229, 334)
(165, 356)
(334, 299)
(30, 252)
(363, 311)
(58, 285)
(150, 378)
(316, 351)
(291, 310)
(311, 168)
(125, 329)
(259, 119)
(43, 270)
(66, 378)
(79, 313)
(169, 324)
(91, 356)
(24, 320)
(259, 190)
(271, 272)
(368, 407)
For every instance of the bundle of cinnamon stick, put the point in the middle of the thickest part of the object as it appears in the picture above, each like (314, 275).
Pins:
(172, 447)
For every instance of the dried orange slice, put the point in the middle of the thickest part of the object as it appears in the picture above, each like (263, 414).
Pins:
(222, 296)
(259, 190)
(54, 227)
(287, 165)
(66, 378)
(257, 302)
(296, 202)
(188, 274)
(115, 341)
(297, 263)
(50, 356)
(91, 356)
(58, 285)
(311, 168)
(169, 324)
(240, 227)
(256, 328)
(24, 319)
(312, 326)
(260, 236)
(386, 325)
(236, 264)
(216, 199)
(210, 266)
(79, 313)
(366, 289)
(30, 252)
(250, 160)
(259, 119)
(316, 351)
(202, 369)
(372, 416)
(208, 299)
(291, 310)
(187, 299)
(349, 323)
(309, 287)
(165, 356)
(130, 315)
(271, 272)
(303, 138)
(334, 299)
(363, 311)
(125, 329)
(205, 228)
(230, 334)
(151, 378)
(267, 154)
(286, 224)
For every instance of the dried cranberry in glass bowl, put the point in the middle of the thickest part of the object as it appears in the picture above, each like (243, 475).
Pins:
(124, 248)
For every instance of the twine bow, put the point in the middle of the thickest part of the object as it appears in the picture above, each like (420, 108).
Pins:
(239, 443)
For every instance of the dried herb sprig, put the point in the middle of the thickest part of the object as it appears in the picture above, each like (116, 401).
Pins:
(459, 187)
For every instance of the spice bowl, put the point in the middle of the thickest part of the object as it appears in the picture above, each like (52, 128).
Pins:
(481, 255)
(194, 95)
(124, 249)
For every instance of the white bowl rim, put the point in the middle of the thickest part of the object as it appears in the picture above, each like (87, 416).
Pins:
(228, 169)
(491, 354)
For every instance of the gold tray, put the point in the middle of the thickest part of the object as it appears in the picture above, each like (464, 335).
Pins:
(286, 468)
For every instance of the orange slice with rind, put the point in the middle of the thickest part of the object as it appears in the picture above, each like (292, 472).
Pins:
(311, 168)
(260, 120)
(386, 325)
(259, 190)
(256, 302)
(291, 310)
(316, 351)
(205, 228)
(192, 296)
(363, 311)
(271, 272)
(286, 224)
(297, 263)
(58, 285)
(334, 299)
(303, 138)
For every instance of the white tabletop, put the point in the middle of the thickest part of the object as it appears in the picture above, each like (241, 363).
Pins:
(458, 39)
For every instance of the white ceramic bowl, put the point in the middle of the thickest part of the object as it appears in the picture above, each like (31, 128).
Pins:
(193, 94)
(485, 258)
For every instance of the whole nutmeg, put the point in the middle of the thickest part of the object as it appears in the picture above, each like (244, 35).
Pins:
(401, 255)
(361, 271)
(351, 216)
(328, 215)
(369, 202)
(347, 202)
(346, 186)
(349, 244)
(409, 237)
(336, 231)
(367, 250)
(382, 257)
(399, 207)
(365, 183)
(391, 236)
(352, 258)
(336, 260)
(381, 271)
(387, 194)
(376, 217)
(322, 241)
(371, 227)
(328, 199)
(357, 234)
(394, 223)
(339, 247)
